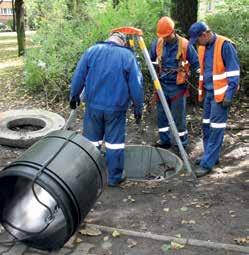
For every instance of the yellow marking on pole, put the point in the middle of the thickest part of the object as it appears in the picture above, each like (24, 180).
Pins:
(141, 44)
(131, 43)
(157, 84)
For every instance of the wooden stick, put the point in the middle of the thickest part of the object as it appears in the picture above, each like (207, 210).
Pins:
(183, 241)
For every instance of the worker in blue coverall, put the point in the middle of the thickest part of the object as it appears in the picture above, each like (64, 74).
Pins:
(174, 56)
(218, 83)
(111, 79)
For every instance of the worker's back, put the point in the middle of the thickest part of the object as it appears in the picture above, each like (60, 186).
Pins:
(112, 77)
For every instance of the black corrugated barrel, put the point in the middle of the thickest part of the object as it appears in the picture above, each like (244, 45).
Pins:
(72, 171)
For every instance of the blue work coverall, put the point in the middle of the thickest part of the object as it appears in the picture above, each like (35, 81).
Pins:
(111, 79)
(174, 93)
(215, 114)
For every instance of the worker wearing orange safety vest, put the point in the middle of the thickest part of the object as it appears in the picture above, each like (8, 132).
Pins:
(174, 57)
(218, 83)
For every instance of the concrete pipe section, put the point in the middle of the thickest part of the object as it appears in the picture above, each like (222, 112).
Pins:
(21, 128)
(143, 162)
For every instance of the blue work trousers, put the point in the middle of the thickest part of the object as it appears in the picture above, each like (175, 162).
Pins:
(213, 126)
(108, 126)
(177, 107)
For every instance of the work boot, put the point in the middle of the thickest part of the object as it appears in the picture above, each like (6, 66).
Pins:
(117, 184)
(198, 161)
(159, 144)
(201, 171)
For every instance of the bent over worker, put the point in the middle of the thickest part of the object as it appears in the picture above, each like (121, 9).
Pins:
(174, 56)
(111, 77)
(218, 83)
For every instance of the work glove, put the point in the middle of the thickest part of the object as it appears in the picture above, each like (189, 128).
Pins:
(227, 103)
(74, 102)
(138, 114)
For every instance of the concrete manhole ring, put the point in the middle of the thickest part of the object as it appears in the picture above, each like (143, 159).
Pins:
(21, 128)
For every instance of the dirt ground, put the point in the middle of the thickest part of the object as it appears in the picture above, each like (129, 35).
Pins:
(214, 209)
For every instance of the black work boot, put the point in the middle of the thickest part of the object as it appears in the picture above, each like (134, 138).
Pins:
(159, 144)
(201, 171)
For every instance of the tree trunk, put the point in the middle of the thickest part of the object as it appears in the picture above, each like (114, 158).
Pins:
(19, 8)
(14, 16)
(185, 13)
(115, 3)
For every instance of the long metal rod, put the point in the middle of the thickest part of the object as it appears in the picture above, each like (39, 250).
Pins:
(163, 100)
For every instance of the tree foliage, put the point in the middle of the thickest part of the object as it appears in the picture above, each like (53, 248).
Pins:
(61, 40)
(232, 20)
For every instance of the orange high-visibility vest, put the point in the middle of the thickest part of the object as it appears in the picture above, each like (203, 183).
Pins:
(220, 82)
(181, 56)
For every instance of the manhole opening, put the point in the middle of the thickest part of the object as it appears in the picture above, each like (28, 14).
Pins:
(26, 124)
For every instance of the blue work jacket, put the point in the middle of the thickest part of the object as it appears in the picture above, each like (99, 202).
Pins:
(169, 61)
(231, 62)
(110, 77)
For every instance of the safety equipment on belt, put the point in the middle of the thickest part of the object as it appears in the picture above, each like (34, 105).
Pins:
(74, 102)
(165, 26)
(181, 56)
(220, 81)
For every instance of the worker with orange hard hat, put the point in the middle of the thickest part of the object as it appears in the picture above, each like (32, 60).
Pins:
(174, 57)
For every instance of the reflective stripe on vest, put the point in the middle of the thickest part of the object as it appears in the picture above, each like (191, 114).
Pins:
(181, 56)
(220, 81)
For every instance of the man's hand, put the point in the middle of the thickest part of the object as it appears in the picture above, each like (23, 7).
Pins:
(74, 102)
(227, 103)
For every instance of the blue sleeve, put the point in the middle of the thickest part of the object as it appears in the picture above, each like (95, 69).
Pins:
(152, 51)
(192, 57)
(135, 83)
(79, 76)
(231, 62)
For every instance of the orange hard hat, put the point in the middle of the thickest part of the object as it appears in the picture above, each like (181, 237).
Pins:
(165, 26)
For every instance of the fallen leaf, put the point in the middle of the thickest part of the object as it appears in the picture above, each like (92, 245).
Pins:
(176, 246)
(115, 233)
(90, 232)
(79, 240)
(184, 209)
(131, 243)
(106, 238)
(242, 240)
(188, 222)
(166, 247)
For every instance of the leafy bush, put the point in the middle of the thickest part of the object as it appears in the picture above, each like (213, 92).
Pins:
(60, 41)
(232, 21)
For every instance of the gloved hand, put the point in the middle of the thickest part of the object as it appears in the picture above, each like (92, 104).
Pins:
(74, 102)
(227, 103)
(137, 115)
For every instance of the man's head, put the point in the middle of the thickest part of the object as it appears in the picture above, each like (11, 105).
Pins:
(166, 28)
(199, 33)
(118, 37)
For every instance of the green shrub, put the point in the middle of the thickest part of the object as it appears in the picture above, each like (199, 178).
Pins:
(60, 42)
